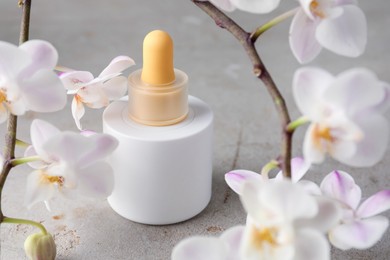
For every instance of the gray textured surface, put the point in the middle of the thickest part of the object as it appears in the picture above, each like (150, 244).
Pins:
(88, 34)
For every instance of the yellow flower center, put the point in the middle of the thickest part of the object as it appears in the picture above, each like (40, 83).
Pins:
(323, 137)
(315, 9)
(49, 179)
(265, 235)
(3, 96)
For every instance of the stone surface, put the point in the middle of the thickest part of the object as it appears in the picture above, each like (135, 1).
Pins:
(88, 34)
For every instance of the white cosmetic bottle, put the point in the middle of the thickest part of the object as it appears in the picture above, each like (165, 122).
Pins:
(163, 164)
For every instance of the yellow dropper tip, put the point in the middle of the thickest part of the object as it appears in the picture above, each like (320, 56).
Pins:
(158, 59)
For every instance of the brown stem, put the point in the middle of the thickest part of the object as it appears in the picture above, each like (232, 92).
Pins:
(244, 37)
(10, 137)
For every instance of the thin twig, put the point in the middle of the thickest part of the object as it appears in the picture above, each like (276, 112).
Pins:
(223, 21)
(10, 137)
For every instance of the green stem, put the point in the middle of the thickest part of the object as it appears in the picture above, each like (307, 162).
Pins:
(25, 222)
(268, 167)
(261, 29)
(296, 123)
(23, 160)
(21, 143)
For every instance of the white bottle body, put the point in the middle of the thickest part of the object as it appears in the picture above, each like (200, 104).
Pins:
(162, 174)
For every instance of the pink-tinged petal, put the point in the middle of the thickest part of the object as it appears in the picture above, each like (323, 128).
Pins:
(299, 168)
(96, 180)
(30, 151)
(310, 187)
(312, 152)
(73, 80)
(309, 84)
(41, 131)
(311, 245)
(374, 205)
(68, 148)
(43, 56)
(302, 38)
(256, 6)
(117, 65)
(372, 147)
(78, 111)
(225, 5)
(235, 179)
(346, 34)
(341, 186)
(355, 90)
(360, 234)
(102, 146)
(37, 190)
(196, 248)
(329, 214)
(232, 238)
(44, 92)
(115, 88)
(12, 59)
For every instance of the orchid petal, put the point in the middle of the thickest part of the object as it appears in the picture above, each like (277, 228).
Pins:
(341, 186)
(102, 145)
(256, 6)
(309, 84)
(37, 190)
(117, 65)
(232, 238)
(12, 59)
(43, 56)
(306, 6)
(360, 234)
(310, 187)
(96, 180)
(329, 214)
(371, 149)
(376, 204)
(299, 168)
(42, 131)
(311, 245)
(354, 90)
(311, 152)
(44, 92)
(384, 105)
(73, 80)
(3, 113)
(235, 179)
(77, 111)
(93, 96)
(115, 88)
(30, 151)
(303, 43)
(346, 34)
(345, 2)
(225, 5)
(196, 248)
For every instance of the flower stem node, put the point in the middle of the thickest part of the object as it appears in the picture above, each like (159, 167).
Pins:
(40, 246)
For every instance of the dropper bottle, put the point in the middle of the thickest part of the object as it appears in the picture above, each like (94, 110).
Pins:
(163, 164)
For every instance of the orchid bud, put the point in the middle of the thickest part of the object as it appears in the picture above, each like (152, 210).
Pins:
(40, 246)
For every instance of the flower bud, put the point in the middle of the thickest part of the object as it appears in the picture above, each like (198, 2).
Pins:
(40, 246)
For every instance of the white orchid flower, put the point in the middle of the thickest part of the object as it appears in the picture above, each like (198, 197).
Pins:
(96, 92)
(27, 79)
(360, 226)
(299, 167)
(284, 222)
(337, 25)
(70, 162)
(251, 6)
(226, 247)
(345, 113)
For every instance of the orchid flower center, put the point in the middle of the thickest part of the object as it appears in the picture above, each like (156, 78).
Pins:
(49, 179)
(315, 8)
(265, 235)
(322, 136)
(3, 96)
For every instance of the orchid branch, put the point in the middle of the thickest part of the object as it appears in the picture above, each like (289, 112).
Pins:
(260, 71)
(10, 138)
